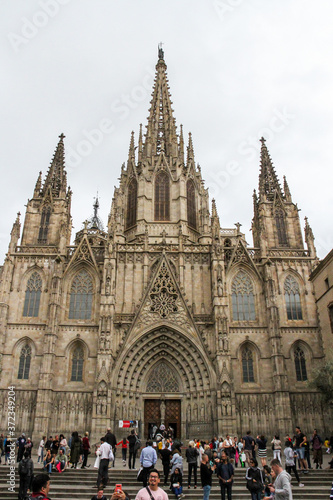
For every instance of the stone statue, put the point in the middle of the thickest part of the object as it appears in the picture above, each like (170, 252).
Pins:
(219, 287)
(162, 410)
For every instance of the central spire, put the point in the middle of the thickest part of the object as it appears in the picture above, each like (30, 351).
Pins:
(161, 135)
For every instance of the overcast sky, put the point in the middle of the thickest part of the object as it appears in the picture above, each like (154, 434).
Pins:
(238, 69)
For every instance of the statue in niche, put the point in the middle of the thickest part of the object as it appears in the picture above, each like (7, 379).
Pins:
(99, 405)
(107, 344)
(220, 341)
(102, 341)
(195, 413)
(202, 411)
(188, 413)
(225, 342)
(162, 410)
(103, 406)
(219, 287)
(108, 285)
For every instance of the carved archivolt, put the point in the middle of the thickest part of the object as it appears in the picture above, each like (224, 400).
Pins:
(162, 379)
(164, 345)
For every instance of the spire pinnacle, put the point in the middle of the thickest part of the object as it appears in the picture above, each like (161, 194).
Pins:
(160, 51)
(131, 152)
(56, 175)
(140, 144)
(286, 189)
(38, 185)
(190, 150)
(268, 181)
(95, 222)
(309, 238)
(214, 209)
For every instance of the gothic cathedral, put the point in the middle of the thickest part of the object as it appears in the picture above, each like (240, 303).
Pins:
(166, 316)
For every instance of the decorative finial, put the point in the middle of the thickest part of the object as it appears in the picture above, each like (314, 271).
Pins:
(160, 51)
(62, 136)
(262, 140)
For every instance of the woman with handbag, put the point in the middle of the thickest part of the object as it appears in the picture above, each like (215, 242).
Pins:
(254, 480)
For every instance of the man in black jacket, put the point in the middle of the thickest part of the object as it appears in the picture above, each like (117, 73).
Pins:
(25, 470)
(112, 440)
(192, 460)
(132, 440)
(165, 455)
(206, 475)
(225, 474)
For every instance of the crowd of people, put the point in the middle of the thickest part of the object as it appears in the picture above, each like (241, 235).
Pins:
(218, 458)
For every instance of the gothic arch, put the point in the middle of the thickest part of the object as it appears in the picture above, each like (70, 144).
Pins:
(68, 281)
(18, 348)
(247, 363)
(162, 196)
(26, 275)
(163, 344)
(162, 378)
(292, 292)
(243, 309)
(301, 358)
(73, 347)
(131, 205)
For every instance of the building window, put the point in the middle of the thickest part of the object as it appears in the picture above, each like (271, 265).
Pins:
(330, 314)
(81, 296)
(77, 364)
(24, 366)
(293, 299)
(131, 203)
(247, 365)
(44, 225)
(32, 295)
(242, 298)
(191, 212)
(281, 227)
(300, 365)
(162, 197)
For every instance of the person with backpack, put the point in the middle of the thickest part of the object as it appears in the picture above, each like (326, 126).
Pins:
(40, 487)
(25, 470)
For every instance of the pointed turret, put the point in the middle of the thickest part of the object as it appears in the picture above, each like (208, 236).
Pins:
(286, 189)
(161, 129)
(190, 150)
(268, 181)
(181, 145)
(56, 179)
(95, 222)
(38, 186)
(131, 152)
(140, 145)
(15, 234)
(309, 239)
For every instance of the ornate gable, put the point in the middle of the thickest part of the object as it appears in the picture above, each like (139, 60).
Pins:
(83, 254)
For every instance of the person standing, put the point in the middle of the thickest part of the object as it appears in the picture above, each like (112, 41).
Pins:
(165, 455)
(20, 443)
(225, 474)
(148, 459)
(300, 449)
(254, 480)
(248, 445)
(132, 440)
(25, 470)
(40, 451)
(86, 450)
(153, 491)
(262, 449)
(290, 455)
(192, 460)
(282, 486)
(106, 456)
(206, 472)
(75, 449)
(277, 446)
(317, 443)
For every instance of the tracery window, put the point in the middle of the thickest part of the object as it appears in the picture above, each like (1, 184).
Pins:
(300, 365)
(24, 365)
(247, 364)
(77, 364)
(162, 379)
(292, 298)
(81, 296)
(32, 295)
(163, 294)
(131, 203)
(191, 211)
(44, 225)
(281, 227)
(243, 308)
(162, 197)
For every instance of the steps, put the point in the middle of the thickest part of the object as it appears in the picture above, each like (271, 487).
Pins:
(81, 485)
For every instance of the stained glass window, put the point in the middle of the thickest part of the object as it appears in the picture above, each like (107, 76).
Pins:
(247, 365)
(77, 364)
(300, 365)
(131, 203)
(44, 225)
(243, 308)
(81, 296)
(281, 227)
(32, 295)
(191, 212)
(293, 299)
(162, 197)
(24, 365)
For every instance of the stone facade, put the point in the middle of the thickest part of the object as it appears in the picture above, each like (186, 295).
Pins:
(165, 316)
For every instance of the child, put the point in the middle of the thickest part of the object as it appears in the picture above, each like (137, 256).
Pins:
(177, 483)
(124, 444)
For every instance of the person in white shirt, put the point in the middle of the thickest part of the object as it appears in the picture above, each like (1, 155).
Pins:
(106, 456)
(152, 490)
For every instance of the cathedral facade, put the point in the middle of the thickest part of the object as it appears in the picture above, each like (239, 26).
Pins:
(166, 316)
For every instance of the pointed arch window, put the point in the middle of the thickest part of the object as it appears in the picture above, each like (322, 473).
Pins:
(191, 211)
(162, 197)
(281, 227)
(132, 193)
(32, 295)
(243, 308)
(81, 294)
(247, 365)
(292, 298)
(77, 364)
(44, 225)
(24, 365)
(300, 365)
